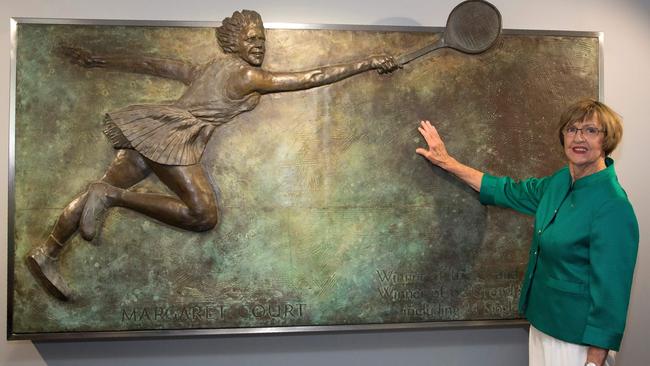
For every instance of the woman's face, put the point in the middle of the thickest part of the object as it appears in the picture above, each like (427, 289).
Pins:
(251, 45)
(583, 143)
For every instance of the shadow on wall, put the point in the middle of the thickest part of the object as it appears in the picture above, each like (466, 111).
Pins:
(426, 347)
(401, 21)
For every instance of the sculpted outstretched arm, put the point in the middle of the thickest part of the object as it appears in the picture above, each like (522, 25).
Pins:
(161, 67)
(261, 81)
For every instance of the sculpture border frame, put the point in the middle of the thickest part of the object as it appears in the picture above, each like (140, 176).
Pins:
(205, 332)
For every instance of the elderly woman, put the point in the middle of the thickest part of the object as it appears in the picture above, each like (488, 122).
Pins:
(168, 140)
(576, 288)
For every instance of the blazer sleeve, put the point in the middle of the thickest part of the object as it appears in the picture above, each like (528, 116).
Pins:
(523, 196)
(614, 239)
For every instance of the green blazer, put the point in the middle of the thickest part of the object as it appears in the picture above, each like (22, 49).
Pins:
(581, 262)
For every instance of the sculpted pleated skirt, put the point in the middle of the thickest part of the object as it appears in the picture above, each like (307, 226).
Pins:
(164, 134)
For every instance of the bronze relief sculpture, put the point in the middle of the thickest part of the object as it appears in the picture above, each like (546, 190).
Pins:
(324, 215)
(168, 140)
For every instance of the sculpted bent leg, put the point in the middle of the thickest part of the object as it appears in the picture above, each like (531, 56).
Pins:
(195, 208)
(127, 169)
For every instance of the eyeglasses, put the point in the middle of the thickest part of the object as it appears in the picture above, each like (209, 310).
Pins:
(588, 132)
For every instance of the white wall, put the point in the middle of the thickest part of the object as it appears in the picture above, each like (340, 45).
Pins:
(626, 24)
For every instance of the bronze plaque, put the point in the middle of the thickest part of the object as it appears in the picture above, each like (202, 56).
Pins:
(327, 219)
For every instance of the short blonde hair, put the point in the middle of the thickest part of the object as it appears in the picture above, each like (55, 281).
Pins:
(610, 121)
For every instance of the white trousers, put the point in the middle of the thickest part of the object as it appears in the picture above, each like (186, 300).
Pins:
(544, 350)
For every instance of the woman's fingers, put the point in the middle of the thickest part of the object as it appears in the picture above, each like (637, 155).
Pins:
(430, 128)
(436, 152)
(425, 133)
(429, 133)
(426, 136)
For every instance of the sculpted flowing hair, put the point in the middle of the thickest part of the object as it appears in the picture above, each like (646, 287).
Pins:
(232, 26)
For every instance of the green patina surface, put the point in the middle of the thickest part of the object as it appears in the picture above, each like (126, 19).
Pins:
(327, 214)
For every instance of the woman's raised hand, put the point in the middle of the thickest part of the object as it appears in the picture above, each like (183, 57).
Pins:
(436, 152)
